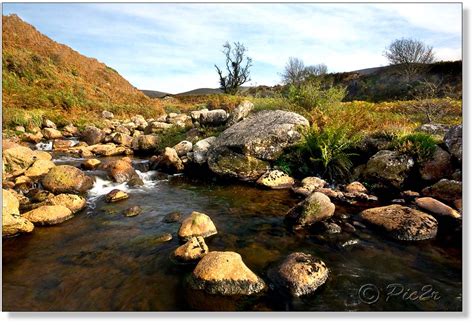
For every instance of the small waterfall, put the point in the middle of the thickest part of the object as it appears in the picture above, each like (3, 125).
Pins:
(45, 146)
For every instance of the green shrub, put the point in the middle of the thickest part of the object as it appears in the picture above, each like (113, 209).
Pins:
(275, 103)
(313, 95)
(171, 137)
(325, 152)
(420, 146)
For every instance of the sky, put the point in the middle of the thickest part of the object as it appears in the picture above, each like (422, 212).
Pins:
(173, 47)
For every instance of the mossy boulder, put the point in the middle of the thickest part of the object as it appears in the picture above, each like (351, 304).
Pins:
(73, 202)
(17, 159)
(315, 208)
(67, 179)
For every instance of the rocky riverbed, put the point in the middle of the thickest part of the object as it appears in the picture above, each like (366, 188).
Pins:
(108, 222)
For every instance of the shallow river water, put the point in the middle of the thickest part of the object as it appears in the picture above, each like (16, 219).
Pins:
(101, 260)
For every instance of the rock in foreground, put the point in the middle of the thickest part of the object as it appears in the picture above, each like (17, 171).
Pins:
(401, 222)
(300, 274)
(225, 273)
(276, 179)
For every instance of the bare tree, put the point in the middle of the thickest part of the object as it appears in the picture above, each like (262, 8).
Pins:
(237, 72)
(316, 70)
(410, 54)
(426, 103)
(296, 72)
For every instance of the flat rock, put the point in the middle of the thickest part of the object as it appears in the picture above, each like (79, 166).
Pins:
(401, 222)
(436, 207)
(47, 215)
(73, 202)
(115, 196)
(276, 179)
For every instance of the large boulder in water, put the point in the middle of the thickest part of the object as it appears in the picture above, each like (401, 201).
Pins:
(73, 202)
(401, 222)
(12, 223)
(245, 149)
(225, 273)
(47, 215)
(169, 161)
(300, 274)
(122, 171)
(67, 179)
(315, 208)
(453, 140)
(388, 169)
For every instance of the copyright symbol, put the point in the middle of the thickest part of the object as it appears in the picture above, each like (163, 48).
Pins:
(369, 294)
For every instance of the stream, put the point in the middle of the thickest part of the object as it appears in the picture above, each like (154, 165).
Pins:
(103, 261)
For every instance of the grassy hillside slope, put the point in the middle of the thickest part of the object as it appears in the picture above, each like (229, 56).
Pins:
(41, 76)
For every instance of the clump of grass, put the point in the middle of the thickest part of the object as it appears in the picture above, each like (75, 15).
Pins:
(420, 146)
(171, 137)
(325, 152)
(275, 103)
(13, 116)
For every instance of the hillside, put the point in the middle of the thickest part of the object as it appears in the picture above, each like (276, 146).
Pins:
(39, 73)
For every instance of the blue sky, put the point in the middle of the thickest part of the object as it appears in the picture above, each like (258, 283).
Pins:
(173, 47)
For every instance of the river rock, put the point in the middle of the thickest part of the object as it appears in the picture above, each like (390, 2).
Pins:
(12, 223)
(39, 168)
(39, 195)
(213, 118)
(92, 135)
(133, 211)
(145, 143)
(70, 131)
(444, 190)
(401, 222)
(122, 171)
(300, 274)
(163, 238)
(73, 202)
(32, 137)
(309, 185)
(17, 159)
(315, 208)
(169, 161)
(196, 224)
(201, 149)
(183, 148)
(240, 112)
(67, 179)
(61, 144)
(109, 149)
(91, 164)
(276, 179)
(50, 133)
(48, 215)
(433, 128)
(355, 187)
(193, 250)
(388, 169)
(438, 167)
(172, 217)
(42, 155)
(453, 141)
(436, 207)
(244, 149)
(123, 139)
(225, 273)
(115, 196)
